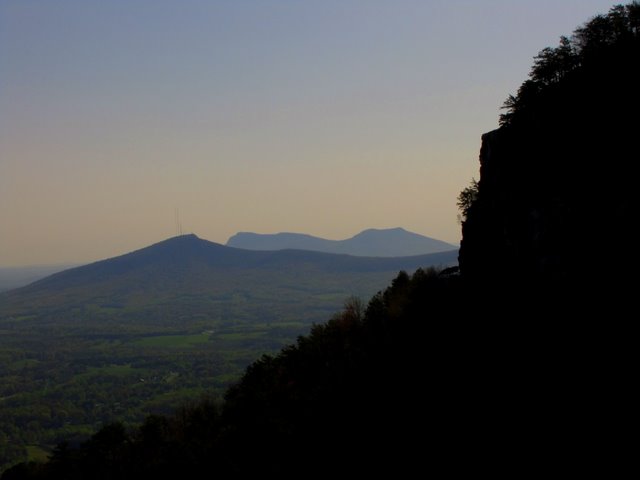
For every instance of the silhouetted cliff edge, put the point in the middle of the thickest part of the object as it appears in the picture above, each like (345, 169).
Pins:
(557, 192)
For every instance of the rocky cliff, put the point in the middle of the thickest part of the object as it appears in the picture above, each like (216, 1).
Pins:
(556, 198)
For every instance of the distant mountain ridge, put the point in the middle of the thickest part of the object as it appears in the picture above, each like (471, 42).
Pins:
(188, 265)
(391, 242)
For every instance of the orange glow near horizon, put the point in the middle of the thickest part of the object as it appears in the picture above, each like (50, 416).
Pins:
(324, 118)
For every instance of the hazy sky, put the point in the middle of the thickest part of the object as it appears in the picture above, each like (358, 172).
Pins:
(324, 117)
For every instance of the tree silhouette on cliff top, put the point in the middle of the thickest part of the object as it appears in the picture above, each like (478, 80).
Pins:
(603, 35)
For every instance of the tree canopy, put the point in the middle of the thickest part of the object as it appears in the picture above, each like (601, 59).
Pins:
(621, 25)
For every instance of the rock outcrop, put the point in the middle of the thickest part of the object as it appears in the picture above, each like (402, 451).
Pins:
(556, 197)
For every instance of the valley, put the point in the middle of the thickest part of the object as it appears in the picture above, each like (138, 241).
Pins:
(152, 330)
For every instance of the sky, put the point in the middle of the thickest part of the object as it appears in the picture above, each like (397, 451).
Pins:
(320, 117)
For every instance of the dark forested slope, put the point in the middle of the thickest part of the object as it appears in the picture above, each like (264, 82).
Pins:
(352, 396)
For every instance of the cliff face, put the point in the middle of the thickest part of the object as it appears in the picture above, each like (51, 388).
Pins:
(520, 224)
(556, 196)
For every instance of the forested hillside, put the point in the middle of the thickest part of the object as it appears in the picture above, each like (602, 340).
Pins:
(340, 393)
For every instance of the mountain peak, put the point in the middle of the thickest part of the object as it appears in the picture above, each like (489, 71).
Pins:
(372, 242)
(178, 243)
(183, 238)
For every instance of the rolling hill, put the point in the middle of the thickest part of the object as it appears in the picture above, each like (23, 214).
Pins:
(186, 275)
(392, 242)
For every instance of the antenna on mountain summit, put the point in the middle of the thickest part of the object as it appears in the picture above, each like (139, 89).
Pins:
(178, 223)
